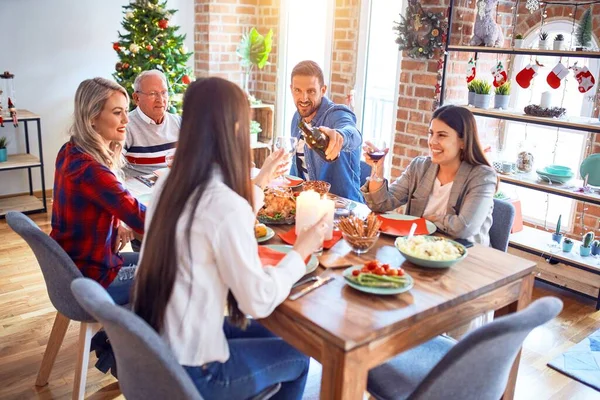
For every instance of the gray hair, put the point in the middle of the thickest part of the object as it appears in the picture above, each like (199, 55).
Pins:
(153, 72)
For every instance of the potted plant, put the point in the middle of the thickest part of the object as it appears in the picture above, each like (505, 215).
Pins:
(471, 90)
(3, 153)
(253, 50)
(483, 95)
(583, 36)
(255, 129)
(586, 245)
(567, 245)
(518, 41)
(557, 236)
(596, 248)
(558, 41)
(502, 96)
(543, 40)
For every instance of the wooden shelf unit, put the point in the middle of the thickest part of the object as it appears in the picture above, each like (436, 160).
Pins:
(25, 203)
(264, 114)
(579, 274)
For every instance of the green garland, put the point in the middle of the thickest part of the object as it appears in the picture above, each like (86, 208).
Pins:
(420, 33)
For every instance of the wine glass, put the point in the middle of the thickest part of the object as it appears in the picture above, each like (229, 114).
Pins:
(288, 143)
(377, 151)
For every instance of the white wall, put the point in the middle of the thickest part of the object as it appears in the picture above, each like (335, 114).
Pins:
(51, 46)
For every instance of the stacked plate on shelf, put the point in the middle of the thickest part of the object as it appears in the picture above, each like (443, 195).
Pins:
(555, 174)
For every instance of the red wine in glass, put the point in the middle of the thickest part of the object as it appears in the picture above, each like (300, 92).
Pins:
(376, 155)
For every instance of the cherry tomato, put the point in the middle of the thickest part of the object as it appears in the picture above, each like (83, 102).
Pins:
(355, 272)
(386, 266)
(371, 265)
(379, 271)
(400, 272)
(365, 269)
(392, 272)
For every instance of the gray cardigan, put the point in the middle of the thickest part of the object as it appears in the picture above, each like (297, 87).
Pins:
(469, 212)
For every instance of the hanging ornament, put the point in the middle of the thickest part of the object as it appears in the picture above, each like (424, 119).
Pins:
(129, 15)
(149, 47)
(119, 66)
(471, 70)
(185, 80)
(532, 5)
(134, 48)
(116, 47)
(183, 49)
(125, 65)
(163, 24)
(499, 73)
(556, 75)
(526, 75)
(584, 78)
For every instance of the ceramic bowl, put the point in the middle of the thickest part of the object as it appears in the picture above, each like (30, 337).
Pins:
(559, 170)
(428, 263)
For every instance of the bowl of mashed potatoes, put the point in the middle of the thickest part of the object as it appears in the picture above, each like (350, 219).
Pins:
(431, 251)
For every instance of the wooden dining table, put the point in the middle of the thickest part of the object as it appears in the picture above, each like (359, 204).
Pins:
(349, 332)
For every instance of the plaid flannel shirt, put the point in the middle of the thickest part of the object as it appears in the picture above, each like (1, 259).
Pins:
(89, 203)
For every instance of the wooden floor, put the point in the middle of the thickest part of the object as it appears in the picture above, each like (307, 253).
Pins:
(26, 317)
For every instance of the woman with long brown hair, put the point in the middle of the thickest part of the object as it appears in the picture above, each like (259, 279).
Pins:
(453, 187)
(200, 255)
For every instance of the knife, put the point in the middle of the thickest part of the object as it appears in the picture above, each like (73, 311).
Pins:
(310, 288)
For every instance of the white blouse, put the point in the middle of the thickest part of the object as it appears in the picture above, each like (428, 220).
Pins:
(224, 256)
(437, 203)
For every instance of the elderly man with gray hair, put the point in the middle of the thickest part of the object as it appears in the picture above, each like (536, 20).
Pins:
(152, 132)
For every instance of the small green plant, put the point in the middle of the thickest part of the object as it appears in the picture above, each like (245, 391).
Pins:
(255, 128)
(503, 90)
(481, 87)
(543, 35)
(558, 225)
(568, 241)
(3, 142)
(596, 243)
(559, 37)
(588, 238)
(518, 36)
(470, 87)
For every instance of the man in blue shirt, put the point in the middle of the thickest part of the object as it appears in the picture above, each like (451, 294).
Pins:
(336, 121)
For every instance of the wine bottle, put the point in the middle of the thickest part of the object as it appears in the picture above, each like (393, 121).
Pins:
(317, 140)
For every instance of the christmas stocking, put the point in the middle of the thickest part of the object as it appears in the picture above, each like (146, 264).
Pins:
(526, 75)
(499, 74)
(556, 75)
(584, 78)
(471, 70)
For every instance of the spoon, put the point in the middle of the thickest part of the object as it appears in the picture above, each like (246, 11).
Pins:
(411, 233)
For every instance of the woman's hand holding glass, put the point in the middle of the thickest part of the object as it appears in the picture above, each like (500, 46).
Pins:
(374, 155)
(310, 239)
(275, 165)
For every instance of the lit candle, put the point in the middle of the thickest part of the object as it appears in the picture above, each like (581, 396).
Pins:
(327, 207)
(546, 99)
(307, 210)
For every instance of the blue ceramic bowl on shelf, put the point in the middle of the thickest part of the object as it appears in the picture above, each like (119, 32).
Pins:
(558, 170)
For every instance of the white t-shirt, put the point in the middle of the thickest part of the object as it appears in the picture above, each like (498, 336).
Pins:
(438, 199)
(224, 256)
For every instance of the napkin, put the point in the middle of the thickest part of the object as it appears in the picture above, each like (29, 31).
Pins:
(290, 238)
(398, 227)
(272, 257)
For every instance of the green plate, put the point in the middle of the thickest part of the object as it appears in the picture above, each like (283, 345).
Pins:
(591, 167)
(312, 265)
(269, 235)
(431, 228)
(548, 177)
(375, 290)
(433, 263)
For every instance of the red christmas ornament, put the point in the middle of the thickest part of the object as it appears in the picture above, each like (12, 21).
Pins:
(125, 65)
(163, 24)
(149, 47)
(185, 80)
(116, 46)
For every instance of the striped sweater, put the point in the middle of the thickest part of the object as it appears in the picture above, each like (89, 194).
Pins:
(147, 144)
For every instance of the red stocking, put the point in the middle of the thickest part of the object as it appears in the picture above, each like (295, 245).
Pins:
(526, 75)
(556, 75)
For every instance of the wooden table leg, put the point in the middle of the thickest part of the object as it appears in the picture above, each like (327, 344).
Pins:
(521, 303)
(344, 376)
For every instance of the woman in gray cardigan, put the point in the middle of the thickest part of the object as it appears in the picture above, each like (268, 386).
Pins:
(453, 187)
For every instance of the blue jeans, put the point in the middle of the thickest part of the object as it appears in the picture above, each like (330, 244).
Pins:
(257, 359)
(120, 288)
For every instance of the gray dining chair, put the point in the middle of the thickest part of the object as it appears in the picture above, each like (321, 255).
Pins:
(477, 367)
(146, 367)
(503, 217)
(59, 271)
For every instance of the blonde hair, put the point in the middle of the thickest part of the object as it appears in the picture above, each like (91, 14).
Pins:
(90, 99)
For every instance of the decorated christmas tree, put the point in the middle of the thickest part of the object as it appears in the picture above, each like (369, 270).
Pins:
(151, 43)
(584, 30)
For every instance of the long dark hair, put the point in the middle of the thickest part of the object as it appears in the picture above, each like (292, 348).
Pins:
(214, 131)
(463, 122)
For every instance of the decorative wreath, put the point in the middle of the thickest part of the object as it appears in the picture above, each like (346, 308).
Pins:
(538, 111)
(420, 32)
